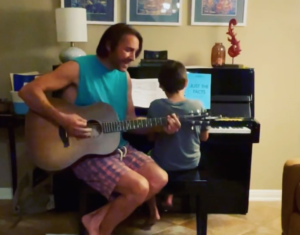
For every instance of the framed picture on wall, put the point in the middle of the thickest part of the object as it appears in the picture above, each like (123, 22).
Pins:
(98, 11)
(218, 12)
(154, 12)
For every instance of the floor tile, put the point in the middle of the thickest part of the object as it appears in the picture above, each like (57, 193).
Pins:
(177, 230)
(262, 230)
(261, 212)
(218, 224)
(275, 224)
(176, 218)
(41, 224)
(134, 228)
(263, 218)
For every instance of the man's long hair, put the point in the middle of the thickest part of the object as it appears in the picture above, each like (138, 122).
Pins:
(113, 35)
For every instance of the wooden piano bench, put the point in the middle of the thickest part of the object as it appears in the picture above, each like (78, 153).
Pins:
(189, 184)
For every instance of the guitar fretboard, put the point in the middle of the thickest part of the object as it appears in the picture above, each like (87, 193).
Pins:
(127, 125)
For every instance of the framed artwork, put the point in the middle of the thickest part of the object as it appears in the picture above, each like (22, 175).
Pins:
(97, 11)
(218, 12)
(154, 12)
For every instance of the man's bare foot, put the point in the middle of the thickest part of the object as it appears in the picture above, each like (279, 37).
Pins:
(92, 221)
(87, 223)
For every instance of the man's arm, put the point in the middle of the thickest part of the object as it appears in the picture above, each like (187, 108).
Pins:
(34, 92)
(130, 107)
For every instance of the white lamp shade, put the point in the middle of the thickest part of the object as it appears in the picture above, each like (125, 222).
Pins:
(71, 24)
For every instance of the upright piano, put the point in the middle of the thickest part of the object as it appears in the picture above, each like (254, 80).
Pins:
(226, 156)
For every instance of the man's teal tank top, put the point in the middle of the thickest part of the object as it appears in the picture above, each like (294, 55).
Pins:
(98, 84)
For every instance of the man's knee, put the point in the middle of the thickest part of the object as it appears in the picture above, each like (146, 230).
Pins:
(158, 181)
(141, 189)
(136, 188)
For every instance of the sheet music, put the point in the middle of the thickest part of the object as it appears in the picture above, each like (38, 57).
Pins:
(144, 91)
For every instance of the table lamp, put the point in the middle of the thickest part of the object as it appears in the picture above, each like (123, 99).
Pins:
(71, 26)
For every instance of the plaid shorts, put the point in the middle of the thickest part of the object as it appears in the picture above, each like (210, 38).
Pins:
(103, 172)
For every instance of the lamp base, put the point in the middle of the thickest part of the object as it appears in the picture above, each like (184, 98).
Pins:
(70, 54)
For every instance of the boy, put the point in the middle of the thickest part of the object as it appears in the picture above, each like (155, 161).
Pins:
(181, 151)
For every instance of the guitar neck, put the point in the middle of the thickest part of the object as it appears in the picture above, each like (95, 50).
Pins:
(128, 125)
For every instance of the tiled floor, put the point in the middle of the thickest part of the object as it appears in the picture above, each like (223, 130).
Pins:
(263, 219)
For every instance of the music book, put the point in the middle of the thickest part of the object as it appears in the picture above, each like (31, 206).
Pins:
(144, 91)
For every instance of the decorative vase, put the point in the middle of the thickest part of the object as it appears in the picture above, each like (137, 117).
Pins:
(218, 55)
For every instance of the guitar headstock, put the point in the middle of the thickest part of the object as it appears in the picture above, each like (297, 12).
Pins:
(198, 118)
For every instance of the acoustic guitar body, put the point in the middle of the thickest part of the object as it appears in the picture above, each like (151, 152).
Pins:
(51, 149)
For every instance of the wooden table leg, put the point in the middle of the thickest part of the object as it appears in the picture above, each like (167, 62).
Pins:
(13, 153)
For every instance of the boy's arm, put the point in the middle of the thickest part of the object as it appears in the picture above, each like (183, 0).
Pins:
(204, 135)
(204, 132)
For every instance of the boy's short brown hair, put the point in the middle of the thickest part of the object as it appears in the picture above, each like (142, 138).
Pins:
(172, 76)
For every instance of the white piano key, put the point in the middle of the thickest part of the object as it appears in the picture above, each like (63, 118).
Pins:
(229, 130)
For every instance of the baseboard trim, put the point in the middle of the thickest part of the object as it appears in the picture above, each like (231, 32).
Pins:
(255, 195)
(5, 193)
(265, 195)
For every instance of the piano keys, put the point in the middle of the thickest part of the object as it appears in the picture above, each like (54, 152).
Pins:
(229, 130)
(235, 130)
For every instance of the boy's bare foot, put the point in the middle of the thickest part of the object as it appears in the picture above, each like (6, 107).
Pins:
(151, 220)
(92, 221)
(169, 202)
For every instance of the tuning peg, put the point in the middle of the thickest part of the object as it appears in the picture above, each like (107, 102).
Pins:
(192, 127)
(192, 113)
(198, 111)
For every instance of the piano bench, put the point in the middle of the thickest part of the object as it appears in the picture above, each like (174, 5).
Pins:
(187, 183)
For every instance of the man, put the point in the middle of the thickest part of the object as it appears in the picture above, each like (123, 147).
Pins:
(127, 173)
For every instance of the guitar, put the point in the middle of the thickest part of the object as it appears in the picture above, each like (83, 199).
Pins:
(51, 149)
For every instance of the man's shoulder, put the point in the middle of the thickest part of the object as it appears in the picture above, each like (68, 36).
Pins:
(86, 57)
(85, 60)
(122, 73)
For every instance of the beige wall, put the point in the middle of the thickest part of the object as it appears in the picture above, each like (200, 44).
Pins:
(270, 43)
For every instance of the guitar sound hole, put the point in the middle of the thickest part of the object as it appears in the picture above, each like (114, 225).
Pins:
(96, 128)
